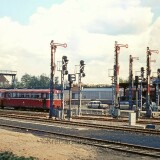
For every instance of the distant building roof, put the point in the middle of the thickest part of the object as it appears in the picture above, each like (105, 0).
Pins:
(97, 89)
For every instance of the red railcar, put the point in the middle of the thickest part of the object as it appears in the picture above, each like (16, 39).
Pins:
(29, 98)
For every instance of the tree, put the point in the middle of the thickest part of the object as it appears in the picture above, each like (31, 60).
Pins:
(28, 81)
(34, 82)
(121, 80)
(25, 80)
(44, 81)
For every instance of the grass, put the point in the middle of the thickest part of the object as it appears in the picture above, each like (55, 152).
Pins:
(11, 156)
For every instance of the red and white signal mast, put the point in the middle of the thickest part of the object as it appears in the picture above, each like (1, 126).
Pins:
(116, 72)
(148, 78)
(53, 67)
(131, 79)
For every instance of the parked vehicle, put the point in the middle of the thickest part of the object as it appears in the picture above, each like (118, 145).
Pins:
(97, 105)
(150, 126)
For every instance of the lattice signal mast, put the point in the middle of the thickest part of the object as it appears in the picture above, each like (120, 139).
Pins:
(148, 77)
(157, 86)
(131, 79)
(112, 80)
(116, 72)
(53, 67)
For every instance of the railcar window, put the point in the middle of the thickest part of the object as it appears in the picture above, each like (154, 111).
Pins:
(14, 95)
(1, 94)
(17, 95)
(27, 96)
(44, 95)
(9, 94)
(36, 95)
(21, 95)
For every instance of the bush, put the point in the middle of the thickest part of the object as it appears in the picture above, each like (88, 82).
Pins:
(11, 156)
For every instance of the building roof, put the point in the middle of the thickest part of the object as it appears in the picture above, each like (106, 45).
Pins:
(97, 89)
(3, 79)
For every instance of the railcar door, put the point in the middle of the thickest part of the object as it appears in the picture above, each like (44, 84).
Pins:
(44, 97)
(1, 99)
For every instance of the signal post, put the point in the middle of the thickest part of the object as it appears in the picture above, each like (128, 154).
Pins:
(116, 73)
(53, 66)
(148, 78)
(131, 79)
(80, 75)
(64, 72)
(71, 79)
(157, 86)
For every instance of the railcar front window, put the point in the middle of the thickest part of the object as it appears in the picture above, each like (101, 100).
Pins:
(55, 96)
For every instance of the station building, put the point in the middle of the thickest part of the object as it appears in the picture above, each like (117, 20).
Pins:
(93, 93)
(105, 95)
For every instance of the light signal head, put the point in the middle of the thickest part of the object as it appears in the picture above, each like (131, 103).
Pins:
(65, 60)
(142, 69)
(82, 63)
(65, 72)
(83, 74)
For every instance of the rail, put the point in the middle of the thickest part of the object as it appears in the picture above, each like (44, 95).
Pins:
(37, 117)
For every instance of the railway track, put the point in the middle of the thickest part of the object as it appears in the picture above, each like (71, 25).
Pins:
(141, 120)
(42, 118)
(123, 147)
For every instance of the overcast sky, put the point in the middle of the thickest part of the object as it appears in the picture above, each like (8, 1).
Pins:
(90, 29)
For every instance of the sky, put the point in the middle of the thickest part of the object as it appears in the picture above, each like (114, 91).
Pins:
(88, 27)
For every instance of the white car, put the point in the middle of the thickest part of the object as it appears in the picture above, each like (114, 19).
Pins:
(97, 105)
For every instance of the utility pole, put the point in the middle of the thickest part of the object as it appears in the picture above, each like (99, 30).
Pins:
(148, 74)
(131, 79)
(116, 72)
(53, 66)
